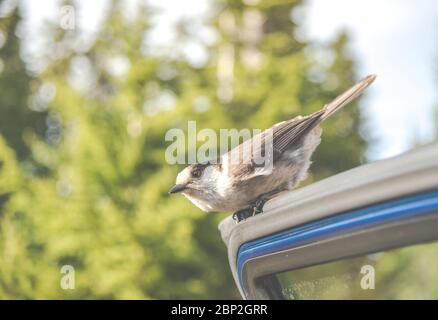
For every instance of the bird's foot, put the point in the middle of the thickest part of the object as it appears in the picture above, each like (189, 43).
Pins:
(243, 214)
(258, 205)
(256, 208)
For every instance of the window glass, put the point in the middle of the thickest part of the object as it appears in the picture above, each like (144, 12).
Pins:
(405, 273)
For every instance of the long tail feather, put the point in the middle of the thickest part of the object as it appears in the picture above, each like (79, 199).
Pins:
(347, 96)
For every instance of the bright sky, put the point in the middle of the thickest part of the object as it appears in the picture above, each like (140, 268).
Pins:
(396, 39)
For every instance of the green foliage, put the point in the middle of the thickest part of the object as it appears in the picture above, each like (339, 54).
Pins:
(98, 199)
(15, 91)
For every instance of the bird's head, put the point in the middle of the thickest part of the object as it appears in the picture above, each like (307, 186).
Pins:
(196, 179)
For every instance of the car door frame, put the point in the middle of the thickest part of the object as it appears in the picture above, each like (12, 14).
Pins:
(412, 173)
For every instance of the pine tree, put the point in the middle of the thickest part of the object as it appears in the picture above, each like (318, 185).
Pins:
(16, 116)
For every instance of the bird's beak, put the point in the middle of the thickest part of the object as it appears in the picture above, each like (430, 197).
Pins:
(177, 188)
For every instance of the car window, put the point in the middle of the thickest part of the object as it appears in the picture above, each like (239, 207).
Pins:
(404, 273)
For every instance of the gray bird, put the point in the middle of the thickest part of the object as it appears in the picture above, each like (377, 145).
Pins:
(244, 186)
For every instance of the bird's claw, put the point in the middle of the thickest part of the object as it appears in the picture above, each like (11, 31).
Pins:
(249, 212)
(243, 214)
(258, 206)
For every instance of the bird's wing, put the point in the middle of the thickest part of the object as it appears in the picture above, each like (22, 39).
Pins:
(249, 158)
(255, 156)
(288, 133)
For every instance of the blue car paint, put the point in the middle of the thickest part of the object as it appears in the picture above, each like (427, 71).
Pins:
(394, 210)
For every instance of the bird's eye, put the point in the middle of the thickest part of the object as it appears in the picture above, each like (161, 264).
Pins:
(196, 173)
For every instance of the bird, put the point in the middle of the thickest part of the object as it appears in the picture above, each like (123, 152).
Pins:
(244, 186)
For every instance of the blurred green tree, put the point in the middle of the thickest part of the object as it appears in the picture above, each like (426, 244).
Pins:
(102, 205)
(16, 118)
